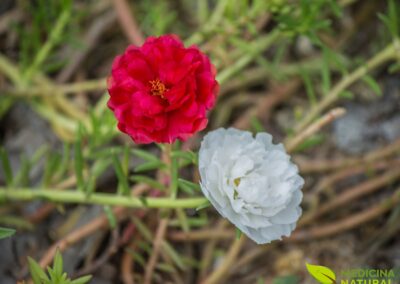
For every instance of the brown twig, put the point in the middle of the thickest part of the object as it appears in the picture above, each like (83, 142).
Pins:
(151, 264)
(128, 22)
(263, 108)
(218, 275)
(351, 194)
(200, 235)
(99, 223)
(333, 178)
(324, 165)
(90, 39)
(126, 268)
(293, 143)
(112, 249)
(336, 227)
(208, 251)
(347, 223)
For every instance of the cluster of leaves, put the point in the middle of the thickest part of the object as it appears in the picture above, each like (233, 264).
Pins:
(43, 14)
(55, 274)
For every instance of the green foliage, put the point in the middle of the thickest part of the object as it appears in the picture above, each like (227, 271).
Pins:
(79, 165)
(288, 279)
(238, 233)
(188, 186)
(147, 180)
(6, 232)
(55, 274)
(391, 20)
(309, 88)
(123, 186)
(311, 142)
(5, 162)
(305, 16)
(157, 17)
(370, 81)
(43, 14)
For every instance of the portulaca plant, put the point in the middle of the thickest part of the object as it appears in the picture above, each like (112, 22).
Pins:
(251, 182)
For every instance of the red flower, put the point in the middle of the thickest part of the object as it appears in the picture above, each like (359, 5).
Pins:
(161, 91)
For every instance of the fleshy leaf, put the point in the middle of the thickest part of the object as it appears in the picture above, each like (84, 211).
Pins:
(322, 274)
(6, 232)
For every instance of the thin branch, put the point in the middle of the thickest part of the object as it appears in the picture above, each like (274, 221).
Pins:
(151, 264)
(382, 57)
(128, 22)
(221, 272)
(349, 222)
(352, 193)
(293, 143)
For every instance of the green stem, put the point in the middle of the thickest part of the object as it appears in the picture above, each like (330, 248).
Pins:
(382, 57)
(51, 90)
(10, 70)
(172, 163)
(174, 175)
(54, 195)
(47, 47)
(261, 45)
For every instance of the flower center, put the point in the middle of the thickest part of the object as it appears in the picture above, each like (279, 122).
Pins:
(157, 88)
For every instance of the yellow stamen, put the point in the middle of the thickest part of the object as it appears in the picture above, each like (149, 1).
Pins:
(157, 88)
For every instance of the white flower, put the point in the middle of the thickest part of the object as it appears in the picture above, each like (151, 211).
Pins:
(251, 182)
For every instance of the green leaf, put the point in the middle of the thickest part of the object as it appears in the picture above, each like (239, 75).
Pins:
(309, 87)
(58, 264)
(6, 166)
(110, 216)
(372, 84)
(149, 166)
(145, 155)
(326, 75)
(122, 178)
(5, 104)
(288, 279)
(187, 155)
(22, 177)
(147, 180)
(37, 273)
(78, 165)
(395, 67)
(256, 124)
(346, 95)
(191, 186)
(97, 169)
(310, 142)
(205, 205)
(6, 232)
(82, 280)
(238, 233)
(51, 166)
(322, 274)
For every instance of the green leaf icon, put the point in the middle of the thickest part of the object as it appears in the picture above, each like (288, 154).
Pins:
(322, 274)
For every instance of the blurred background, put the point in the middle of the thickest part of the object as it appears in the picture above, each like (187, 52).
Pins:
(283, 65)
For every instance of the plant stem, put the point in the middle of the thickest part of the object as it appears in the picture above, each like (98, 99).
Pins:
(47, 47)
(54, 195)
(293, 143)
(242, 62)
(173, 175)
(51, 90)
(386, 54)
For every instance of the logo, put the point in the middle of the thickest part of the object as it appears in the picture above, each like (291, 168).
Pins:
(322, 274)
(325, 275)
